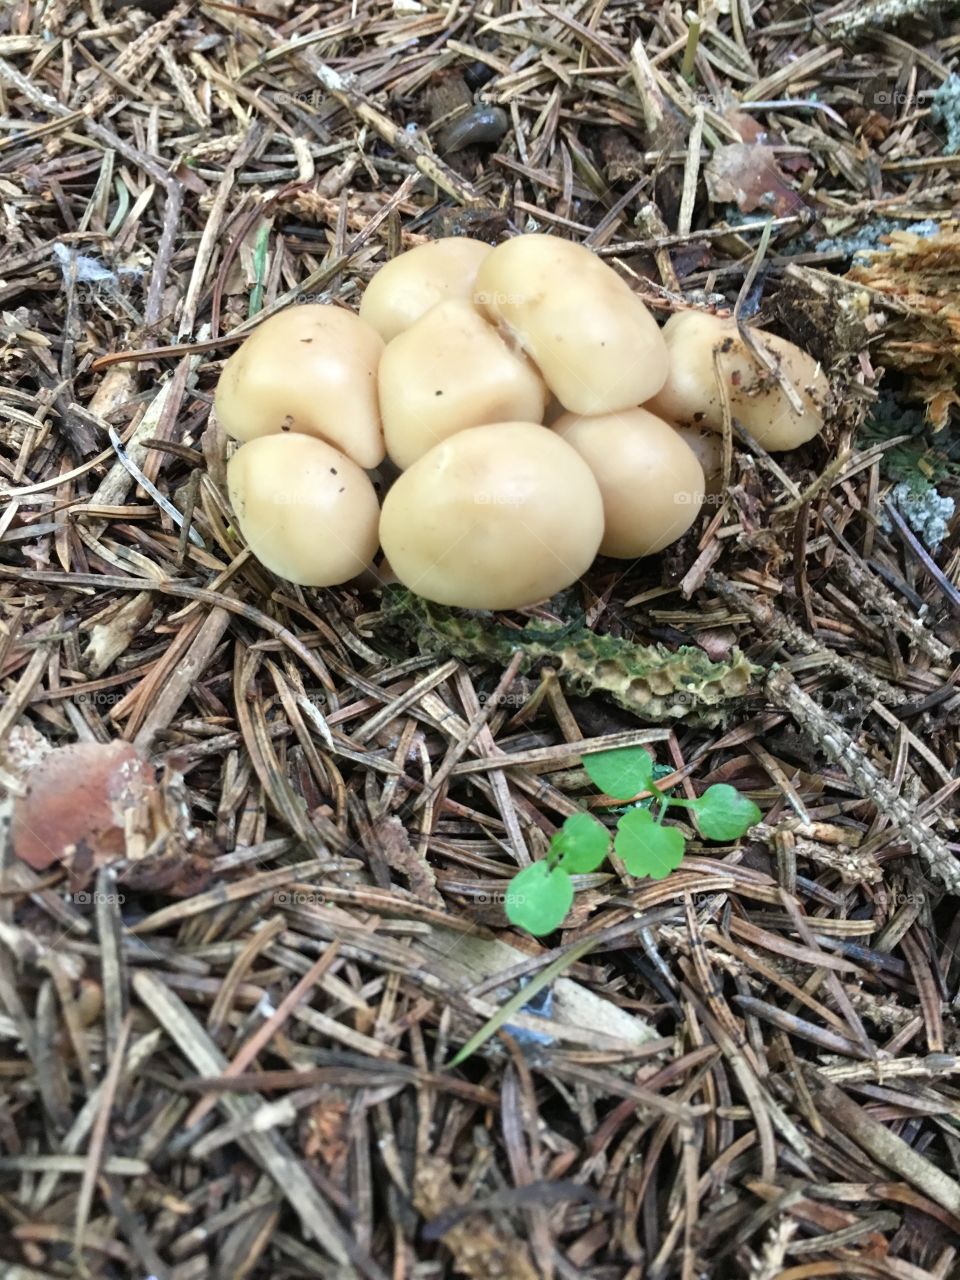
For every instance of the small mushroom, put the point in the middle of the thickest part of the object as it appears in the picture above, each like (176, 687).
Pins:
(497, 517)
(596, 344)
(708, 446)
(448, 371)
(307, 511)
(310, 369)
(411, 283)
(691, 394)
(651, 482)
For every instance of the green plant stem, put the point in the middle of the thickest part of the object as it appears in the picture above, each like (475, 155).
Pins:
(690, 52)
(260, 266)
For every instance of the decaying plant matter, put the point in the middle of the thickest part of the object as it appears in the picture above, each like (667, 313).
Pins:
(918, 278)
(653, 682)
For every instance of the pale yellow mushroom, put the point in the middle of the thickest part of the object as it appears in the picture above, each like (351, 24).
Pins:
(708, 446)
(308, 369)
(651, 481)
(411, 283)
(307, 511)
(449, 371)
(596, 344)
(497, 517)
(691, 395)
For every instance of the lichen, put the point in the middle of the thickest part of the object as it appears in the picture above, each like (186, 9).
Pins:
(925, 509)
(858, 243)
(915, 465)
(652, 681)
(865, 240)
(945, 109)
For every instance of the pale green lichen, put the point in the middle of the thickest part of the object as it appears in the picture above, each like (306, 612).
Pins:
(652, 681)
(915, 465)
(945, 109)
(883, 13)
(866, 240)
(925, 509)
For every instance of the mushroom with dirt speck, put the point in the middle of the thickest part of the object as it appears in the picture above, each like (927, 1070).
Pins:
(310, 370)
(595, 343)
(700, 344)
(449, 371)
(410, 284)
(307, 511)
(650, 479)
(497, 517)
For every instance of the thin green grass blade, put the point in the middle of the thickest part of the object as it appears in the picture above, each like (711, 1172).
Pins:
(520, 998)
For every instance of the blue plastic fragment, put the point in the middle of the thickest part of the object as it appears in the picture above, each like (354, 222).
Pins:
(540, 1004)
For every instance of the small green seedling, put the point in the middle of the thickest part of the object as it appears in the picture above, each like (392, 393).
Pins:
(539, 896)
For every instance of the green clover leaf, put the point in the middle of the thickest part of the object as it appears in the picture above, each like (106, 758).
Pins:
(538, 898)
(621, 773)
(646, 847)
(723, 813)
(581, 844)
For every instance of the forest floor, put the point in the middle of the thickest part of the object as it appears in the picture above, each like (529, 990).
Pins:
(225, 1041)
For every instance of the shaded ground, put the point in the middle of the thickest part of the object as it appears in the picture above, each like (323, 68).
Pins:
(750, 1070)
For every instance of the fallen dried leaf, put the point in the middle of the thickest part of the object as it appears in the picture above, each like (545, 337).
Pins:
(76, 803)
(748, 173)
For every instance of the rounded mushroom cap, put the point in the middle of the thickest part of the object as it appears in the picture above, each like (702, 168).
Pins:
(691, 396)
(309, 369)
(596, 344)
(307, 511)
(410, 284)
(650, 480)
(708, 447)
(449, 371)
(74, 807)
(497, 517)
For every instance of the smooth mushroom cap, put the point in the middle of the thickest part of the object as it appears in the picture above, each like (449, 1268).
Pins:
(596, 344)
(497, 517)
(307, 511)
(449, 371)
(411, 283)
(650, 480)
(708, 446)
(311, 370)
(691, 395)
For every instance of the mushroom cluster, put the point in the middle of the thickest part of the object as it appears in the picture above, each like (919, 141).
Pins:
(536, 413)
